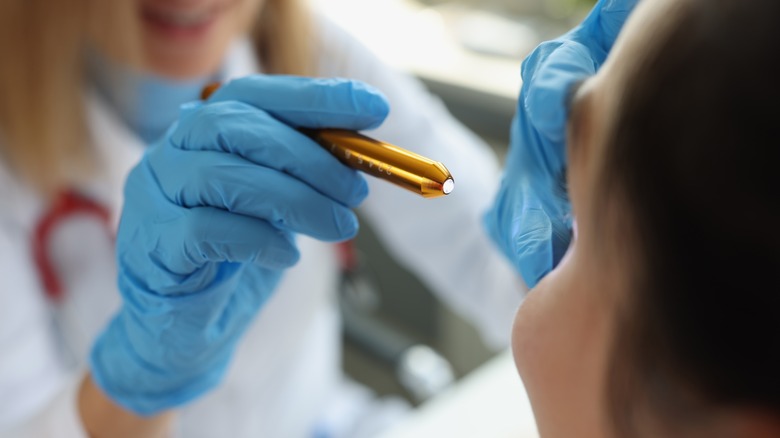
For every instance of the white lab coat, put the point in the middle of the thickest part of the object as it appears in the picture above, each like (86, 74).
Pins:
(288, 364)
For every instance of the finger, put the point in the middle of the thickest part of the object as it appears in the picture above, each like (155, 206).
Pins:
(229, 182)
(197, 237)
(243, 130)
(545, 98)
(601, 27)
(543, 234)
(531, 240)
(166, 227)
(214, 235)
(611, 18)
(310, 102)
(561, 238)
(519, 226)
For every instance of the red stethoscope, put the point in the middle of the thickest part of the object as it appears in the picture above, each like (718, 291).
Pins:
(69, 204)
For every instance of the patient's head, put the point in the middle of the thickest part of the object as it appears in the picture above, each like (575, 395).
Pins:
(663, 320)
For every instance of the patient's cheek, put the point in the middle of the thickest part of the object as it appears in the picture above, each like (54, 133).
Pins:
(529, 343)
(559, 341)
(538, 353)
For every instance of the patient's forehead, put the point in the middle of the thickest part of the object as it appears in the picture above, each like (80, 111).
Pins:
(650, 20)
(594, 114)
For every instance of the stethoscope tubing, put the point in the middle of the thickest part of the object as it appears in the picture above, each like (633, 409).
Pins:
(67, 205)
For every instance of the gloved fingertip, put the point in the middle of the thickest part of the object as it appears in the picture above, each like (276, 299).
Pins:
(347, 223)
(189, 107)
(532, 245)
(545, 100)
(378, 109)
(546, 111)
(611, 18)
(533, 263)
(359, 193)
(283, 255)
(532, 275)
(370, 103)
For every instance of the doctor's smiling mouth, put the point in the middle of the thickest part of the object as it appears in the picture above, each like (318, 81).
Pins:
(186, 39)
(183, 21)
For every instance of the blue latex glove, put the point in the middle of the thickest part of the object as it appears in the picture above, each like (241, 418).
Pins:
(530, 219)
(208, 227)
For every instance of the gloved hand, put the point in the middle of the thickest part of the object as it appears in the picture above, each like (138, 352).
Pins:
(209, 225)
(530, 219)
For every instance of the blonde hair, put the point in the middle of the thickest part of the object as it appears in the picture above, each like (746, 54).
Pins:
(43, 131)
(41, 109)
(283, 38)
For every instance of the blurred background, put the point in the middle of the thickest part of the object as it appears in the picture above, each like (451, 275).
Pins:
(399, 340)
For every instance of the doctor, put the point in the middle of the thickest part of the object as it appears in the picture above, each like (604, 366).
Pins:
(223, 320)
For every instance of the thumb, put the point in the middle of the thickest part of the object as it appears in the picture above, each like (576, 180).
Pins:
(310, 102)
(611, 17)
(545, 101)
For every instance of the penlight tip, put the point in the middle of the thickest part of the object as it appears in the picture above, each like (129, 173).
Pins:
(448, 186)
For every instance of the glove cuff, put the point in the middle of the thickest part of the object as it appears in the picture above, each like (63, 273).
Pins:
(138, 386)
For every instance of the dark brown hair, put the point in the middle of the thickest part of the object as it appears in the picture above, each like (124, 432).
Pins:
(694, 157)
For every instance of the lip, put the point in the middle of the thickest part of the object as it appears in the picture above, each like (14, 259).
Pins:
(180, 24)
